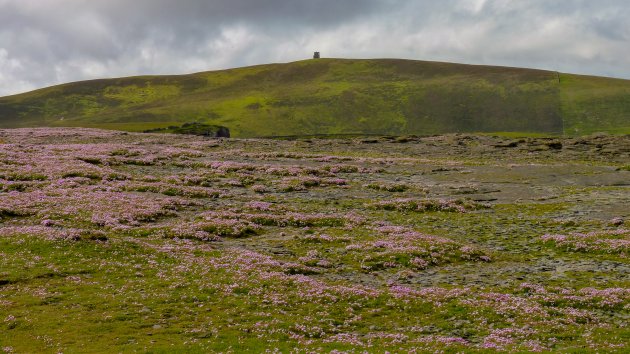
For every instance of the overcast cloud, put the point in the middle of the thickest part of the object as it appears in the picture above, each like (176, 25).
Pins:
(47, 42)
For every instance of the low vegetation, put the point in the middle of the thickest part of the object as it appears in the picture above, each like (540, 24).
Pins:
(337, 97)
(130, 242)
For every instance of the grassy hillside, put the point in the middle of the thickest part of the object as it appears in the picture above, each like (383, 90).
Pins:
(595, 104)
(336, 96)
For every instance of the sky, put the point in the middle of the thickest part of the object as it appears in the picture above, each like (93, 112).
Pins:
(48, 42)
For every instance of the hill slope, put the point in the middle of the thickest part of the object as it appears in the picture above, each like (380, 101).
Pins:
(337, 96)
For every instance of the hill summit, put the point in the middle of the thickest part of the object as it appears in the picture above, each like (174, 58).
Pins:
(337, 96)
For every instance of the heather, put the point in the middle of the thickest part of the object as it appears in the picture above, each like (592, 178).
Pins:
(125, 242)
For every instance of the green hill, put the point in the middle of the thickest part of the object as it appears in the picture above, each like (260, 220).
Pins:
(337, 96)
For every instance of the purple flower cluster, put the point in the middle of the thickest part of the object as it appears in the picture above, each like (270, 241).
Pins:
(400, 246)
(608, 241)
(428, 205)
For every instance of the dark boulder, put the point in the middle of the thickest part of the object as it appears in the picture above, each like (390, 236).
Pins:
(214, 131)
(223, 132)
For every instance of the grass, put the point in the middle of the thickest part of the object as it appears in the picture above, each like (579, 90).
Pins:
(338, 96)
(130, 127)
(595, 104)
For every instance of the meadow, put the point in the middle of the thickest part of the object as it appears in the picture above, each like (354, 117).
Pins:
(337, 96)
(123, 242)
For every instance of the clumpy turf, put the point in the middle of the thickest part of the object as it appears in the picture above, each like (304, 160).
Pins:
(124, 242)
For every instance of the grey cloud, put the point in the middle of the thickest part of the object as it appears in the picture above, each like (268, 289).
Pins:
(49, 42)
(60, 40)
